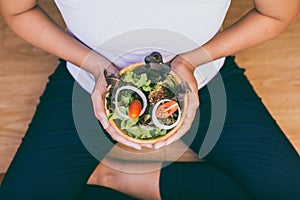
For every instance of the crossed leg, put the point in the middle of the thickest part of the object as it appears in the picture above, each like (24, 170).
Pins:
(251, 160)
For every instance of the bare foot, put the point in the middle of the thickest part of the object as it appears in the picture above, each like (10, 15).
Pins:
(122, 176)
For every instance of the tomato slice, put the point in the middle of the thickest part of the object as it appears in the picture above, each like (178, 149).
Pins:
(135, 109)
(167, 109)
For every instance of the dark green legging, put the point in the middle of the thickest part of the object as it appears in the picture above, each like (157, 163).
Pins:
(251, 160)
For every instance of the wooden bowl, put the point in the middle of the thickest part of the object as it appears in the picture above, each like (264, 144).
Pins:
(158, 139)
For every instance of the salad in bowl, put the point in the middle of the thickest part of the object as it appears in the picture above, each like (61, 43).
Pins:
(146, 103)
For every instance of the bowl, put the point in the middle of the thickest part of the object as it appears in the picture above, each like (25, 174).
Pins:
(157, 132)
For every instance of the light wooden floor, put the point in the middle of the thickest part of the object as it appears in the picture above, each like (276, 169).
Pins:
(273, 68)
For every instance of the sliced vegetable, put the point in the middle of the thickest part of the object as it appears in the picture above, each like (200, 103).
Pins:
(156, 121)
(135, 109)
(165, 110)
(136, 90)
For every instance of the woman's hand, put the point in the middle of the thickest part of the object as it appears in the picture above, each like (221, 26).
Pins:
(98, 99)
(185, 70)
(99, 105)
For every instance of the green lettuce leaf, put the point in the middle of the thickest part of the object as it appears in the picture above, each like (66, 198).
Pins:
(139, 80)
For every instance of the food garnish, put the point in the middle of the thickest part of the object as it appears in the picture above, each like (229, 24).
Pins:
(167, 109)
(135, 109)
(157, 122)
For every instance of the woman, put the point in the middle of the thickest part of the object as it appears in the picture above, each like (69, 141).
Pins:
(251, 158)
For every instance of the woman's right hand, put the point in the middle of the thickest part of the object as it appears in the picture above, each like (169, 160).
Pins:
(101, 65)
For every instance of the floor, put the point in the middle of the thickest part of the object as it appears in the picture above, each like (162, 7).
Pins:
(273, 68)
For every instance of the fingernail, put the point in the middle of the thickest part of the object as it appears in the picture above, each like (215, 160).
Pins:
(133, 145)
(158, 145)
(149, 146)
(137, 147)
(104, 124)
(169, 142)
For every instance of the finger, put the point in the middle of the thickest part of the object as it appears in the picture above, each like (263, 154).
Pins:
(100, 114)
(191, 113)
(159, 145)
(111, 69)
(193, 96)
(149, 146)
(98, 104)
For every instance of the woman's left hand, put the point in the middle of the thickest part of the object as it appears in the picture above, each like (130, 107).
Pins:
(185, 70)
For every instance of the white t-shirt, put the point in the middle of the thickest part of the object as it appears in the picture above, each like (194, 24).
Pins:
(125, 31)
